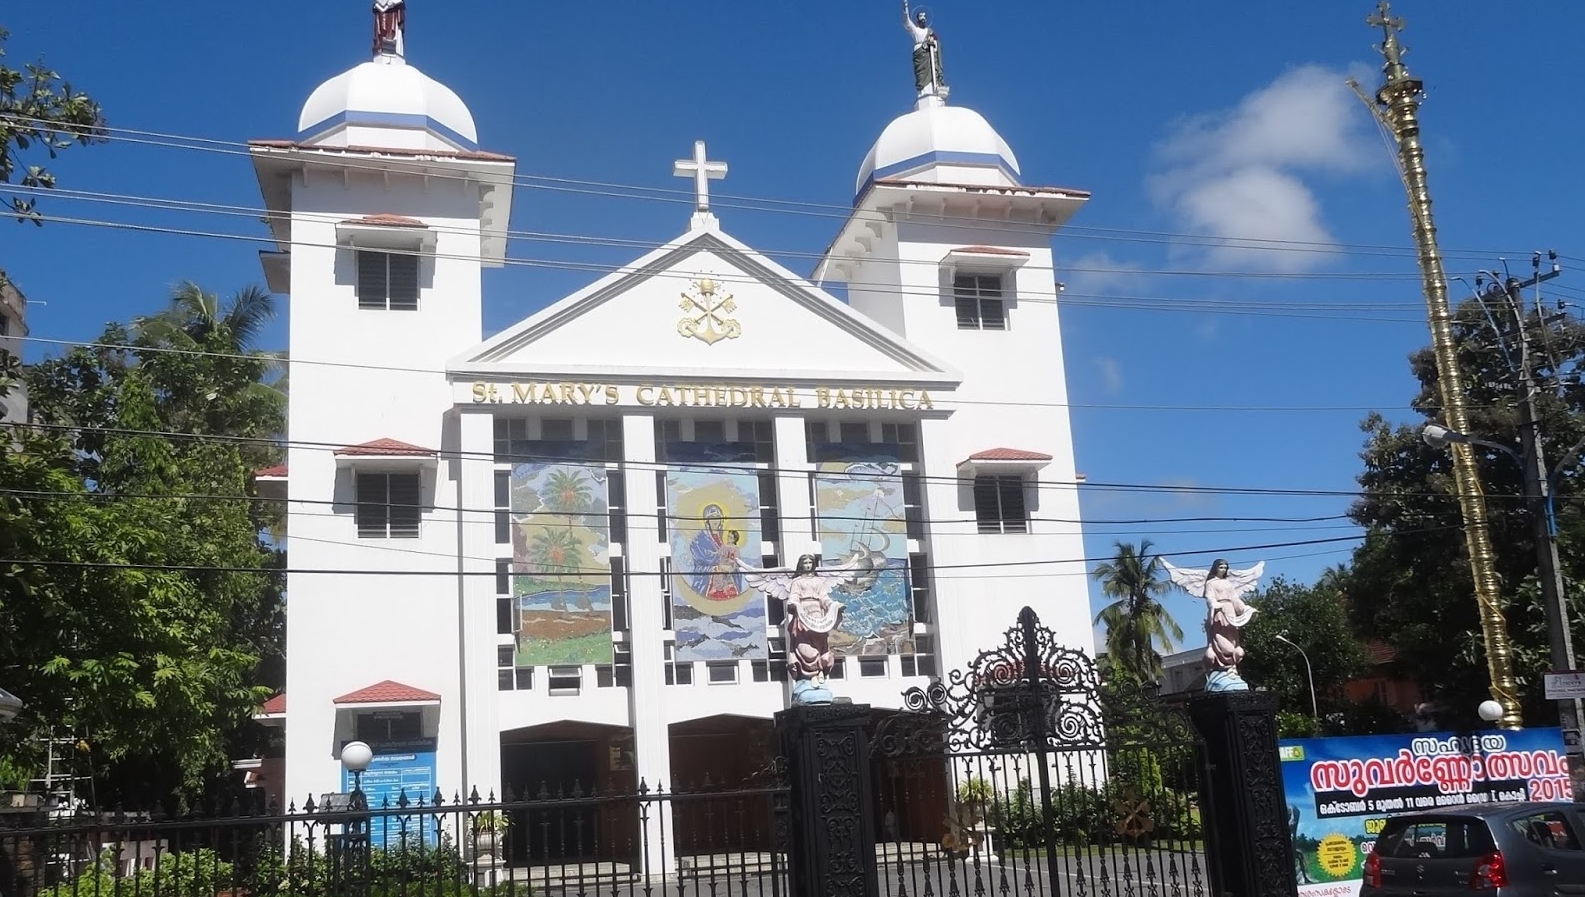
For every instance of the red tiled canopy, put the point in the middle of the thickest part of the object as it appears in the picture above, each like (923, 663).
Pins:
(274, 705)
(388, 692)
(386, 219)
(1009, 454)
(383, 446)
(278, 470)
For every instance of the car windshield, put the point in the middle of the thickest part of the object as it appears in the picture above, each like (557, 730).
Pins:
(1435, 839)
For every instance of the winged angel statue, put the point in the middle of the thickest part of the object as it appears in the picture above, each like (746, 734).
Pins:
(1226, 612)
(812, 615)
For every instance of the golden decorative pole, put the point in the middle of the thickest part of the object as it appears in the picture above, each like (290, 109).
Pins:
(1398, 104)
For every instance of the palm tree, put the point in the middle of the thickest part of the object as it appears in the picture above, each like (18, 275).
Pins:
(557, 551)
(1135, 620)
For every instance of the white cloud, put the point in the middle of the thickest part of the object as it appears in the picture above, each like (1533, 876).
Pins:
(1241, 173)
(1111, 374)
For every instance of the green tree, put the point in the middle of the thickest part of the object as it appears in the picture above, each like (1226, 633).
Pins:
(144, 617)
(1136, 621)
(1410, 579)
(39, 111)
(1316, 619)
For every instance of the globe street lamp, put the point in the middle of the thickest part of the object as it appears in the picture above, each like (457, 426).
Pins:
(355, 758)
(10, 706)
(1490, 711)
(1309, 673)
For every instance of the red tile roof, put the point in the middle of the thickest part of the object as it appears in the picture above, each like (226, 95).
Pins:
(387, 692)
(386, 219)
(278, 470)
(472, 155)
(384, 446)
(991, 250)
(1009, 454)
(276, 704)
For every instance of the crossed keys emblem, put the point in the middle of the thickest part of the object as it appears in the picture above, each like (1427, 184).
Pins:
(707, 307)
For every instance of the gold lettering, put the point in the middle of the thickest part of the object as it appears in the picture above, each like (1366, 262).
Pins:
(663, 396)
(823, 397)
(905, 399)
(924, 400)
(480, 392)
(643, 394)
(839, 399)
(548, 394)
(611, 395)
(522, 392)
(756, 396)
(894, 399)
(793, 399)
(586, 391)
(568, 394)
(701, 395)
(777, 400)
(738, 396)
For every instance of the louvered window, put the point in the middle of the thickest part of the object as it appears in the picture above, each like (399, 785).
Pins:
(387, 281)
(388, 505)
(979, 302)
(999, 504)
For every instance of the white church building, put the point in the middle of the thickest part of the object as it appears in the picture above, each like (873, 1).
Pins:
(517, 559)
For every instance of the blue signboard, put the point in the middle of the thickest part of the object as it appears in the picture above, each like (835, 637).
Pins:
(1340, 791)
(399, 769)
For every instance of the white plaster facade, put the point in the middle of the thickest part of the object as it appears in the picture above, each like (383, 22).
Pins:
(934, 203)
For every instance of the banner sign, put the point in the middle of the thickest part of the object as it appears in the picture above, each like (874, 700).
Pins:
(1340, 791)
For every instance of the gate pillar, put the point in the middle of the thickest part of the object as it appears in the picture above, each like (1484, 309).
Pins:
(833, 814)
(1244, 812)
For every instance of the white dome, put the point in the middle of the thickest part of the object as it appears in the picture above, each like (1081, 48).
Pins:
(937, 143)
(387, 103)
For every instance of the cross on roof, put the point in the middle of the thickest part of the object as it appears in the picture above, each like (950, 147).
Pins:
(702, 172)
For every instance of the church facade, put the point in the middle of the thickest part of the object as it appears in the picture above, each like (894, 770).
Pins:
(551, 556)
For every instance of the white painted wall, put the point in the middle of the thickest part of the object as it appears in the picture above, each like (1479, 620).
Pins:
(356, 376)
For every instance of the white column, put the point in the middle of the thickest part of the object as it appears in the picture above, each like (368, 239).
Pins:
(476, 549)
(646, 623)
(792, 487)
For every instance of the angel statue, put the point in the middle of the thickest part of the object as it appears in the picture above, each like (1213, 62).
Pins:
(812, 615)
(1226, 613)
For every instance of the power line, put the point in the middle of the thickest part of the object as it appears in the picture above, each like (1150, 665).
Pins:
(662, 466)
(949, 401)
(487, 515)
(254, 213)
(594, 571)
(750, 203)
(1138, 302)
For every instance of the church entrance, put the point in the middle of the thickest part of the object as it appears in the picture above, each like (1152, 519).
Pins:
(723, 771)
(553, 774)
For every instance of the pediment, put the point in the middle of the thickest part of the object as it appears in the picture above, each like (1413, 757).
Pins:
(707, 306)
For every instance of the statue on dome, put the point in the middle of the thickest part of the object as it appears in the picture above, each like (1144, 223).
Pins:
(812, 615)
(390, 28)
(928, 79)
(1223, 590)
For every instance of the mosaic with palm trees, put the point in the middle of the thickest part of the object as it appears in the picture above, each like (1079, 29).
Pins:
(561, 564)
(863, 527)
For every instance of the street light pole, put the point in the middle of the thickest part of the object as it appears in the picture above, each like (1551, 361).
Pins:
(1538, 495)
(1309, 674)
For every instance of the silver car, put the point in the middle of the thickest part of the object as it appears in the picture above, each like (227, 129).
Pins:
(1505, 849)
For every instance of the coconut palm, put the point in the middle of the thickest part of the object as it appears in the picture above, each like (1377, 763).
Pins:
(1135, 621)
(557, 552)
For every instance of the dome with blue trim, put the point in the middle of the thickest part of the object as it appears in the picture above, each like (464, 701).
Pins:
(387, 103)
(940, 144)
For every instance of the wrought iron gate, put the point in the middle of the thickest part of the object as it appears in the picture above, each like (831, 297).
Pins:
(1034, 770)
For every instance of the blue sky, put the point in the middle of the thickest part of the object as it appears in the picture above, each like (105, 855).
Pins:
(1202, 119)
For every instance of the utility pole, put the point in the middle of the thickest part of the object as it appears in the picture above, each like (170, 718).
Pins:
(1538, 494)
(1397, 106)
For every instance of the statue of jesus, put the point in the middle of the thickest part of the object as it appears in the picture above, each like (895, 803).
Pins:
(390, 28)
(928, 79)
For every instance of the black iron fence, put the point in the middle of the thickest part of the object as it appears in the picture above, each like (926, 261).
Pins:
(711, 841)
(1026, 770)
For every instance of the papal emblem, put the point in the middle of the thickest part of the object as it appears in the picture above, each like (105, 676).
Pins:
(708, 307)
